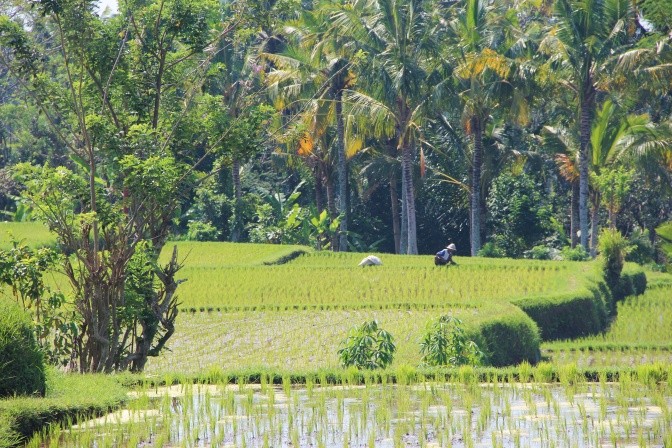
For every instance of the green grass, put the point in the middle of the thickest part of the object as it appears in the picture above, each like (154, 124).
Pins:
(225, 277)
(34, 234)
(209, 255)
(69, 397)
(640, 333)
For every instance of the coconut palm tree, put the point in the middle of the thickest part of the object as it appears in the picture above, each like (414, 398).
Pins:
(614, 139)
(479, 47)
(398, 49)
(317, 68)
(587, 36)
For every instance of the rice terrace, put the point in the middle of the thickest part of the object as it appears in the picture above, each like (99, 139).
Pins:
(254, 358)
(335, 223)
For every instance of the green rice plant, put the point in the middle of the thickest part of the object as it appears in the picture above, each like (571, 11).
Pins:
(543, 372)
(34, 234)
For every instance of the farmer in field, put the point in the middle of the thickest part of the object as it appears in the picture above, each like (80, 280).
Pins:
(445, 256)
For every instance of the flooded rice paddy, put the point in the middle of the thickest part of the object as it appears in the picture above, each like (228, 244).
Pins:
(427, 414)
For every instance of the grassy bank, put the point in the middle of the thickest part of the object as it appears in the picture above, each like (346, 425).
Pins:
(68, 398)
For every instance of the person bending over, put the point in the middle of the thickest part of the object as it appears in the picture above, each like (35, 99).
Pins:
(445, 256)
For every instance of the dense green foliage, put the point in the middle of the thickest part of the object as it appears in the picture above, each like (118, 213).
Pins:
(519, 219)
(256, 103)
(368, 346)
(21, 361)
(613, 249)
(445, 343)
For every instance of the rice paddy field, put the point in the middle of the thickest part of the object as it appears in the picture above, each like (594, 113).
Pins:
(33, 234)
(633, 412)
(285, 310)
(640, 333)
(325, 280)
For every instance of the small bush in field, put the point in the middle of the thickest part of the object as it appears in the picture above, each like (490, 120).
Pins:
(367, 347)
(446, 344)
(490, 250)
(539, 253)
(613, 249)
(577, 253)
(21, 362)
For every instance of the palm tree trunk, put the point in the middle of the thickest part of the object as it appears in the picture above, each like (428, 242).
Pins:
(319, 197)
(331, 205)
(477, 160)
(407, 172)
(238, 195)
(342, 175)
(574, 217)
(585, 122)
(394, 202)
(594, 221)
(403, 239)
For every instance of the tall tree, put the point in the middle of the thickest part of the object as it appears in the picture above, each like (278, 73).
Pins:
(116, 94)
(587, 36)
(318, 68)
(479, 50)
(396, 79)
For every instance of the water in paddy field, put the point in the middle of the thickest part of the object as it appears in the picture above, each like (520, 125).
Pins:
(423, 415)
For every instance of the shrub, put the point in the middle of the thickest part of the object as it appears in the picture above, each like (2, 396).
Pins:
(510, 340)
(577, 253)
(613, 249)
(490, 250)
(641, 251)
(639, 282)
(367, 347)
(445, 343)
(567, 316)
(539, 253)
(202, 231)
(21, 362)
(518, 213)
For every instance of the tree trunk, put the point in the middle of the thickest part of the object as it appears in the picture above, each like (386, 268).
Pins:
(477, 162)
(236, 231)
(574, 215)
(594, 221)
(403, 239)
(584, 162)
(342, 169)
(407, 173)
(319, 196)
(394, 202)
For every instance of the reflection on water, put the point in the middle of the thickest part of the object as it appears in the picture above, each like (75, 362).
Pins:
(427, 414)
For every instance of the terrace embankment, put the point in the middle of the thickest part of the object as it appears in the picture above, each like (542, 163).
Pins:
(297, 313)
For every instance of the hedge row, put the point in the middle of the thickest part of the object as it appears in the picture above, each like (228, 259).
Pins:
(583, 312)
(21, 362)
(68, 398)
(633, 282)
(567, 316)
(509, 340)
